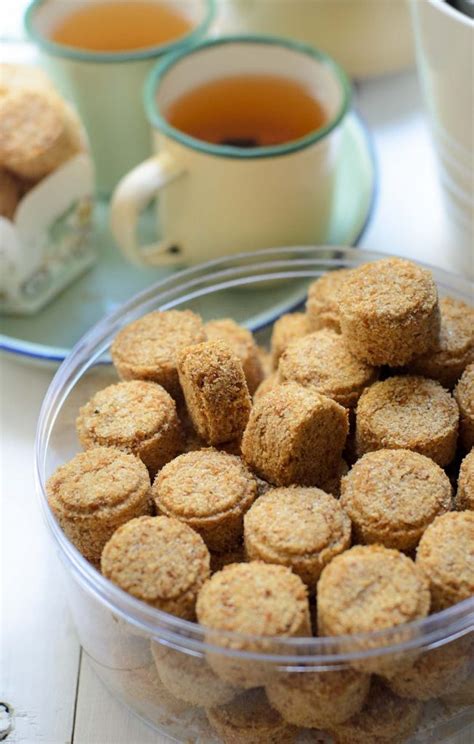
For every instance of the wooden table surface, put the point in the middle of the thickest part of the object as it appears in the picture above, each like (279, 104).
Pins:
(55, 696)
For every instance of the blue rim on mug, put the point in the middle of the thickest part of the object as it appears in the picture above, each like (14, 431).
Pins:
(160, 70)
(134, 55)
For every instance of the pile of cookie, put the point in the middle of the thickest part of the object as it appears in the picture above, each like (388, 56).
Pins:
(305, 491)
(38, 133)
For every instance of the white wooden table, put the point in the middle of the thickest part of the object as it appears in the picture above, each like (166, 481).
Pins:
(55, 695)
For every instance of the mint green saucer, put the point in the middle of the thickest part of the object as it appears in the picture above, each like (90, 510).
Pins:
(47, 337)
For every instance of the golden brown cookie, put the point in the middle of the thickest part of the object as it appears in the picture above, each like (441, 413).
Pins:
(464, 394)
(384, 719)
(392, 496)
(96, 492)
(147, 349)
(242, 343)
(35, 133)
(295, 436)
(446, 556)
(251, 599)
(210, 491)
(455, 346)
(268, 384)
(159, 560)
(286, 329)
(322, 307)
(10, 194)
(215, 390)
(189, 677)
(249, 719)
(439, 671)
(135, 416)
(323, 362)
(302, 528)
(318, 699)
(389, 311)
(465, 493)
(408, 413)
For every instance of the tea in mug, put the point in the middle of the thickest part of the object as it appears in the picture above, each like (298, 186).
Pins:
(248, 111)
(120, 26)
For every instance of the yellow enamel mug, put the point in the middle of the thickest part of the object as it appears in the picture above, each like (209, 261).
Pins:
(216, 200)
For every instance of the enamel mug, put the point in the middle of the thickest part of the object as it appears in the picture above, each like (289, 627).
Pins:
(106, 86)
(216, 200)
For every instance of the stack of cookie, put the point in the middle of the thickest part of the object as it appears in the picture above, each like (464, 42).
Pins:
(316, 497)
(38, 133)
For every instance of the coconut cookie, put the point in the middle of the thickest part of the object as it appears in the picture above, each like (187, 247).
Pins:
(465, 493)
(389, 312)
(286, 329)
(455, 346)
(322, 306)
(95, 493)
(215, 390)
(384, 719)
(319, 699)
(36, 135)
(189, 678)
(323, 362)
(242, 343)
(464, 394)
(249, 719)
(210, 491)
(160, 561)
(254, 599)
(411, 413)
(446, 556)
(135, 416)
(295, 436)
(391, 496)
(302, 528)
(147, 349)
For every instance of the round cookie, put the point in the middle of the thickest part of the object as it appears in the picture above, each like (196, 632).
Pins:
(295, 436)
(408, 413)
(251, 599)
(35, 133)
(455, 347)
(135, 416)
(323, 362)
(160, 561)
(10, 194)
(391, 496)
(147, 349)
(249, 719)
(446, 556)
(371, 588)
(318, 699)
(464, 394)
(384, 719)
(242, 343)
(286, 329)
(322, 306)
(465, 493)
(439, 671)
(389, 312)
(96, 492)
(302, 528)
(189, 678)
(210, 491)
(215, 390)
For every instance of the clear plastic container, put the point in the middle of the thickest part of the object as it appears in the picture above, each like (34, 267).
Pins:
(315, 679)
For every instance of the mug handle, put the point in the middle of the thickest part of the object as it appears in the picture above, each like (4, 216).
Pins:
(132, 195)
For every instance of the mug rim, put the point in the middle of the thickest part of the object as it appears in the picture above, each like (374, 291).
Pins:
(136, 55)
(158, 121)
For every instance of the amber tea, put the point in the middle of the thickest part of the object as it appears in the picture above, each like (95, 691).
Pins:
(248, 111)
(120, 26)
